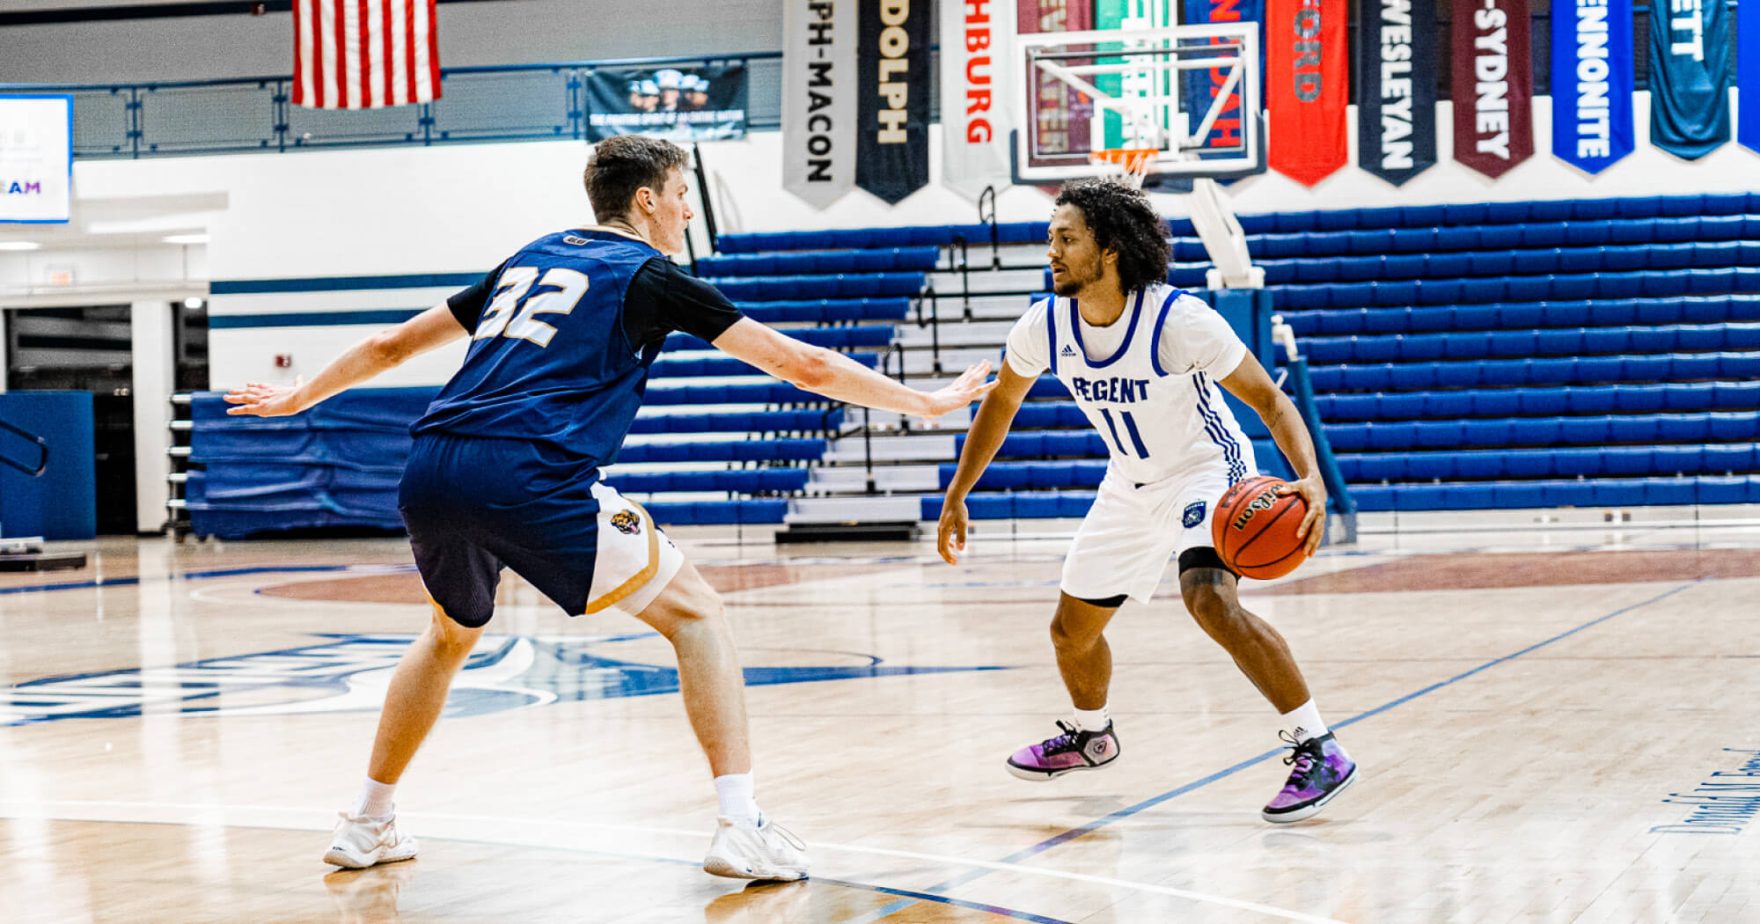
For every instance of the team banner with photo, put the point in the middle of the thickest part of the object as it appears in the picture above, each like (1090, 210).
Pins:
(1307, 84)
(1493, 85)
(705, 102)
(819, 99)
(1059, 113)
(1748, 75)
(1202, 87)
(1592, 68)
(1689, 79)
(36, 158)
(892, 108)
(976, 44)
(1396, 110)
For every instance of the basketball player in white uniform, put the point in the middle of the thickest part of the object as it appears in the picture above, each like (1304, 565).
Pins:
(1144, 362)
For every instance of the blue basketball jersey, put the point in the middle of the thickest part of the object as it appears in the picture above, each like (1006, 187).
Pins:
(549, 361)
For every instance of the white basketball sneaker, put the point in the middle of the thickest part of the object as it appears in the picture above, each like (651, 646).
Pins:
(361, 842)
(769, 851)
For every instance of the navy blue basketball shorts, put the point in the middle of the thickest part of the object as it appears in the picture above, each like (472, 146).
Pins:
(474, 506)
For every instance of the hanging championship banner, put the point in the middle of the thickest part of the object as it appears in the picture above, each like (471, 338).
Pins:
(1202, 87)
(1396, 111)
(892, 105)
(819, 99)
(976, 44)
(1059, 113)
(1592, 67)
(1748, 74)
(1307, 84)
(1492, 85)
(1689, 78)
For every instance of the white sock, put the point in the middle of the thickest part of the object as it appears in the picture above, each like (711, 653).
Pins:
(1304, 722)
(1094, 720)
(734, 790)
(375, 799)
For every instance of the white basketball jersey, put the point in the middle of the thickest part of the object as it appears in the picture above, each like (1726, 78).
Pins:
(1152, 399)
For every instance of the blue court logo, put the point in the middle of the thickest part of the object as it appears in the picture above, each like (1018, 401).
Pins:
(349, 673)
(1194, 515)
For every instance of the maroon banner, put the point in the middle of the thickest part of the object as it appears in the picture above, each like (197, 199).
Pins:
(1061, 113)
(1493, 85)
(1307, 86)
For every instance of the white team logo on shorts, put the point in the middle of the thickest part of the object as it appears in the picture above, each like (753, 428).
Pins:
(1194, 515)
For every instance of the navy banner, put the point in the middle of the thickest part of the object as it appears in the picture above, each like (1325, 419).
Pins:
(892, 101)
(1689, 77)
(1396, 112)
(1748, 74)
(1592, 67)
(701, 102)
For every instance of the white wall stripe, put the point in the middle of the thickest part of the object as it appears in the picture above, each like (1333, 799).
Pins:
(376, 88)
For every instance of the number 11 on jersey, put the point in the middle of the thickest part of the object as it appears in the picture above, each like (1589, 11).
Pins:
(1130, 425)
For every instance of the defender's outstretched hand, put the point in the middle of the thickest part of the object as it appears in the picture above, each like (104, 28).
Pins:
(972, 385)
(259, 400)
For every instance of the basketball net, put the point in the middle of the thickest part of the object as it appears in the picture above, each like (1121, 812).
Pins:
(1130, 165)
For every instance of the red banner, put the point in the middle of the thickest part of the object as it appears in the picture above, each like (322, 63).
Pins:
(1307, 84)
(1492, 85)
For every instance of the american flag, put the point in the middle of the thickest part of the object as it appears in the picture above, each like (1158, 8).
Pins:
(364, 54)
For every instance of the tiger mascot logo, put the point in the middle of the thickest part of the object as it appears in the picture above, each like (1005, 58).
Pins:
(627, 522)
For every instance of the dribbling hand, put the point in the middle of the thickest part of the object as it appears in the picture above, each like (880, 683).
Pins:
(1313, 492)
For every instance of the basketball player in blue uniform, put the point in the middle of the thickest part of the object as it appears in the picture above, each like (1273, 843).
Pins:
(505, 466)
(1143, 362)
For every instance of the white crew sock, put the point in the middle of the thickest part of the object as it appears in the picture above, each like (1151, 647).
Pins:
(1094, 720)
(734, 790)
(375, 799)
(1304, 722)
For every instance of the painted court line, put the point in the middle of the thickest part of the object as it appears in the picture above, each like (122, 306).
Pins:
(305, 819)
(1153, 801)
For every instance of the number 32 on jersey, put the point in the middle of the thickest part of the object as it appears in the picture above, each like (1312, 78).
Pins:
(513, 313)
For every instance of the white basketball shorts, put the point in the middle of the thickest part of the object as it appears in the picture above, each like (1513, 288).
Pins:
(1130, 534)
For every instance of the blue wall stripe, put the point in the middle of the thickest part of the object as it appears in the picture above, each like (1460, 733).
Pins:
(313, 318)
(344, 283)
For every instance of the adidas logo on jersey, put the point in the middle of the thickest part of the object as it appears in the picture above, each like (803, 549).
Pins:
(1067, 350)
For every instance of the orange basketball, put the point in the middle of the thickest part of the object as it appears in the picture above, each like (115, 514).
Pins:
(1255, 529)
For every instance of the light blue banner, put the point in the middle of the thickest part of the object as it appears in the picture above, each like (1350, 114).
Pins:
(1748, 74)
(1689, 77)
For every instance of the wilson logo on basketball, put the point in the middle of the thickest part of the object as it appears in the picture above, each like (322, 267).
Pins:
(1264, 501)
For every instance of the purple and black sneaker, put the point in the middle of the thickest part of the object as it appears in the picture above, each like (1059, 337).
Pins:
(1071, 751)
(1321, 770)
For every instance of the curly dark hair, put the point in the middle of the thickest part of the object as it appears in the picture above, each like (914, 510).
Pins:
(1122, 220)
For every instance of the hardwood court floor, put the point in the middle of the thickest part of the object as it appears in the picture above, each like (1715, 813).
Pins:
(1525, 705)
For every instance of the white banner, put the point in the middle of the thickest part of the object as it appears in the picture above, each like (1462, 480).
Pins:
(977, 37)
(36, 158)
(819, 99)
